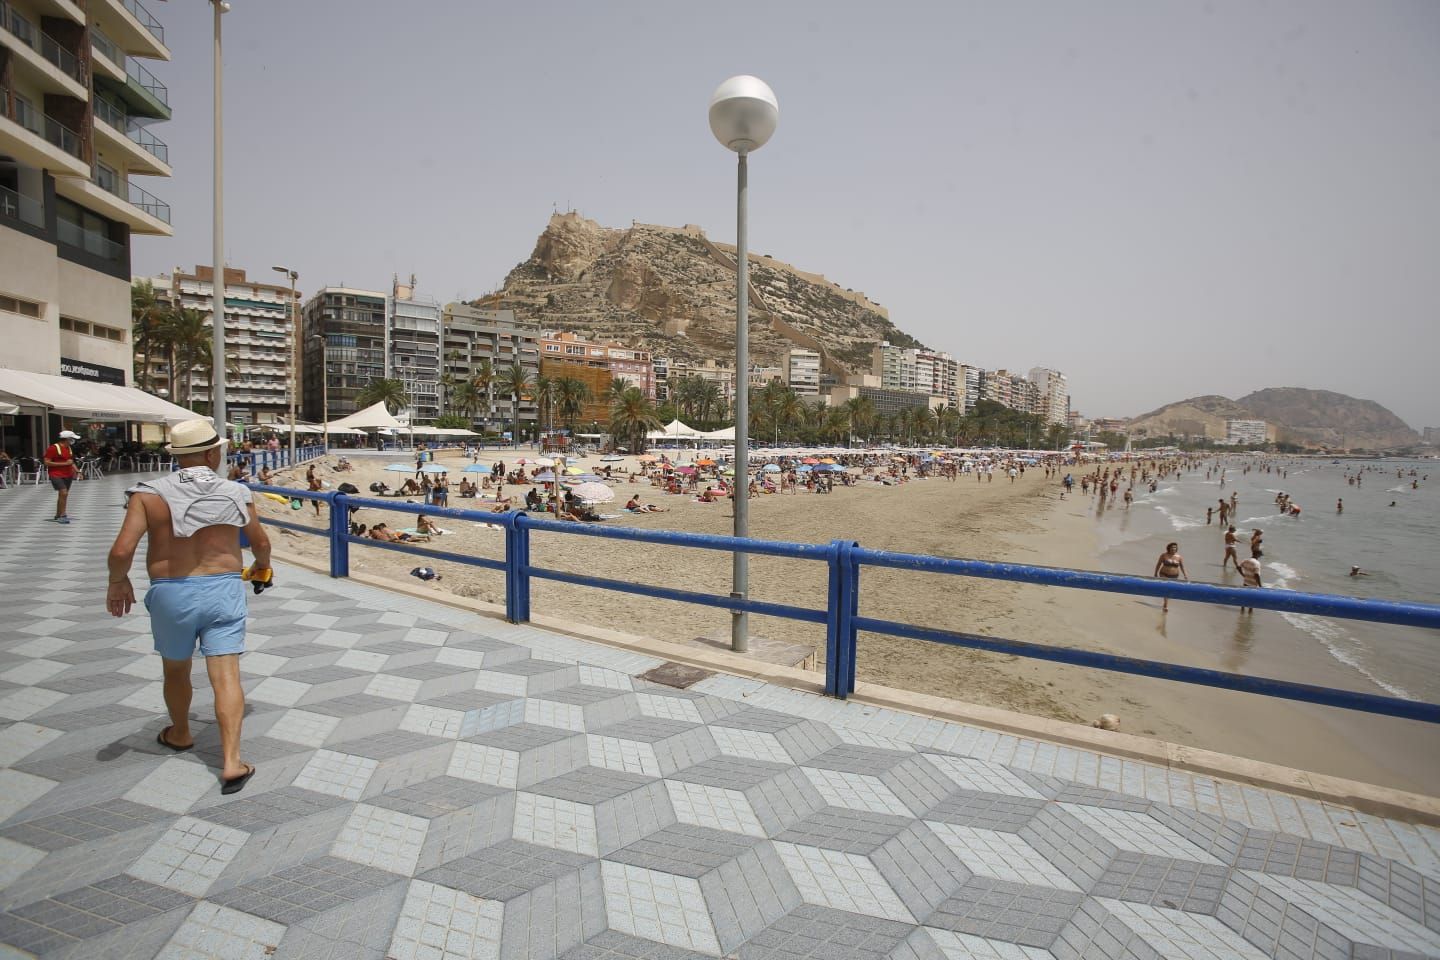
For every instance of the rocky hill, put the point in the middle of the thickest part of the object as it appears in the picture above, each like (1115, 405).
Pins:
(672, 290)
(1324, 418)
(1314, 418)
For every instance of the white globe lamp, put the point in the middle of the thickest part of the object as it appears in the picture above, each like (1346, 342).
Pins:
(744, 113)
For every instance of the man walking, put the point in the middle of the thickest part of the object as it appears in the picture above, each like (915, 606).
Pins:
(192, 518)
(60, 461)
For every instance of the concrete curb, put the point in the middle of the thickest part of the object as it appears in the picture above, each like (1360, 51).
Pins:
(1353, 794)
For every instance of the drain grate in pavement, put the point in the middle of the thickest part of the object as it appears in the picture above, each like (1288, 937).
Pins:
(676, 675)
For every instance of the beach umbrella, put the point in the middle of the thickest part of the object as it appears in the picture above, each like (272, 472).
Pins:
(544, 462)
(827, 459)
(613, 459)
(434, 468)
(546, 477)
(771, 468)
(685, 470)
(594, 493)
(399, 468)
(521, 461)
(829, 468)
(706, 462)
(810, 460)
(804, 468)
(646, 458)
(476, 468)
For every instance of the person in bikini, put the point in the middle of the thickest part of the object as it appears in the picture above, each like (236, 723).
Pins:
(1171, 566)
(1230, 541)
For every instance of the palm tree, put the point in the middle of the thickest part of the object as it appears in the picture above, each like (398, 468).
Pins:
(147, 316)
(387, 390)
(546, 393)
(617, 388)
(571, 397)
(187, 338)
(483, 376)
(709, 400)
(515, 380)
(861, 411)
(467, 399)
(632, 415)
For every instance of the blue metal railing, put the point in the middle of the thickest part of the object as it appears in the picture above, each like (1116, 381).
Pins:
(841, 617)
(278, 459)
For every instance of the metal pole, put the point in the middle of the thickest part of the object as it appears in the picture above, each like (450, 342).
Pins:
(294, 362)
(325, 393)
(739, 619)
(217, 344)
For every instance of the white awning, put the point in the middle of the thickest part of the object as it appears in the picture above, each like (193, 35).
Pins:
(7, 409)
(375, 415)
(675, 430)
(85, 400)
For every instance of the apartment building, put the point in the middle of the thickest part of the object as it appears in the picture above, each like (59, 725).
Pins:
(802, 371)
(1053, 395)
(910, 368)
(76, 111)
(474, 336)
(413, 350)
(260, 348)
(967, 386)
(721, 375)
(343, 349)
(633, 365)
(1246, 433)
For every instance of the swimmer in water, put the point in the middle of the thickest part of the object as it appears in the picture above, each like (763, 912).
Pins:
(1355, 571)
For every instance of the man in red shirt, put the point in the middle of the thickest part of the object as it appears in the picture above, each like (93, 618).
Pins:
(60, 461)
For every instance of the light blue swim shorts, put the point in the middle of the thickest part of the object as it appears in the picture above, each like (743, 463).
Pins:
(209, 608)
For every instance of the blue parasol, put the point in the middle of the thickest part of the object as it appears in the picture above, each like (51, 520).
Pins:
(399, 468)
(477, 468)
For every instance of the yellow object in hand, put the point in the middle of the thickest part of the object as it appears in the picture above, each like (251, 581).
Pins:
(260, 579)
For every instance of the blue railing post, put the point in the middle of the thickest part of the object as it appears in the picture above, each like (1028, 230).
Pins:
(517, 569)
(339, 536)
(842, 606)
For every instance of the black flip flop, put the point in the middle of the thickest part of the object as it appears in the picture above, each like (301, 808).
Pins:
(160, 739)
(236, 784)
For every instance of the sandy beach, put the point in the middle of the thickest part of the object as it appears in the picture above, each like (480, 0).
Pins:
(1025, 521)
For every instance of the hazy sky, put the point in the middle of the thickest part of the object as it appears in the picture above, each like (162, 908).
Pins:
(1162, 199)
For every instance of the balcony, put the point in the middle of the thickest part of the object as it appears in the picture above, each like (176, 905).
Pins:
(38, 140)
(132, 27)
(142, 94)
(145, 152)
(17, 206)
(118, 199)
(74, 235)
(42, 53)
(107, 58)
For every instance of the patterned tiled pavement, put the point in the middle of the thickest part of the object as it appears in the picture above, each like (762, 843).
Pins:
(435, 786)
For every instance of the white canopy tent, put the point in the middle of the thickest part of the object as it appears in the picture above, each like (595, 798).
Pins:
(42, 393)
(372, 417)
(727, 434)
(675, 430)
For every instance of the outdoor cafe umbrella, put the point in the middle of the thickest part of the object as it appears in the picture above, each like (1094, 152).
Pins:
(594, 493)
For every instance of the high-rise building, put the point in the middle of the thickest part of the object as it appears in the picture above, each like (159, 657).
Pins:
(1248, 433)
(76, 107)
(474, 337)
(969, 376)
(1431, 435)
(412, 349)
(1054, 395)
(802, 371)
(260, 349)
(351, 323)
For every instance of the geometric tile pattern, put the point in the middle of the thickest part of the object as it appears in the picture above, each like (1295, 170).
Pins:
(436, 785)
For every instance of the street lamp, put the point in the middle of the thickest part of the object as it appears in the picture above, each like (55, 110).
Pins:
(324, 389)
(217, 285)
(294, 352)
(743, 117)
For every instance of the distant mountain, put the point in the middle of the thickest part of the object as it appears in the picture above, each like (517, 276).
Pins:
(672, 290)
(1325, 418)
(1312, 418)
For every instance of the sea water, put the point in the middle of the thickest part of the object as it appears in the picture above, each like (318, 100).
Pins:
(1398, 547)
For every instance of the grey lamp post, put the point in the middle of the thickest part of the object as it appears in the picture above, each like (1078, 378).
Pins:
(294, 352)
(743, 117)
(324, 389)
(218, 413)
